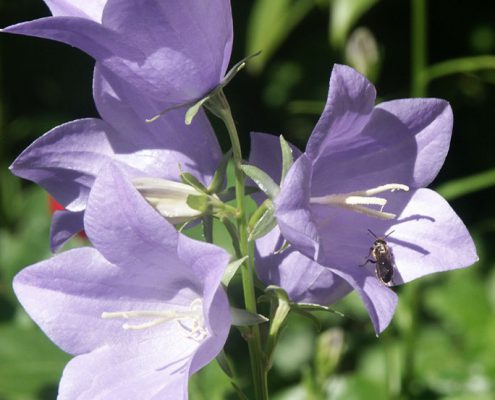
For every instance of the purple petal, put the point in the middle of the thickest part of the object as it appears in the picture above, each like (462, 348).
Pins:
(91, 37)
(64, 164)
(349, 104)
(129, 372)
(266, 154)
(292, 209)
(405, 141)
(162, 145)
(189, 48)
(304, 280)
(65, 224)
(379, 300)
(67, 294)
(77, 8)
(173, 51)
(429, 237)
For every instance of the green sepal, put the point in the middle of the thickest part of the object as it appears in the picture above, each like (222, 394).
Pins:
(219, 178)
(194, 109)
(264, 224)
(229, 193)
(242, 317)
(314, 307)
(231, 270)
(199, 202)
(191, 180)
(287, 158)
(280, 308)
(262, 179)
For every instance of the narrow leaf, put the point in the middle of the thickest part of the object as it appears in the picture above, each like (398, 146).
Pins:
(262, 179)
(231, 270)
(314, 307)
(242, 317)
(460, 187)
(194, 109)
(287, 158)
(218, 180)
(191, 180)
(264, 225)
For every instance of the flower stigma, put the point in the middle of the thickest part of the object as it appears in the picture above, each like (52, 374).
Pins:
(191, 320)
(361, 200)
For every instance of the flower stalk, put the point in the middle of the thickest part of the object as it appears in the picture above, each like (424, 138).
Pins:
(219, 105)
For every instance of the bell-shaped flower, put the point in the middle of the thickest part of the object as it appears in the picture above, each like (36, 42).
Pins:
(305, 280)
(66, 160)
(175, 51)
(141, 311)
(364, 170)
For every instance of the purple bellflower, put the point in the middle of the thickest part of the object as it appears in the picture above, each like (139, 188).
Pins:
(305, 280)
(175, 51)
(364, 169)
(66, 160)
(141, 311)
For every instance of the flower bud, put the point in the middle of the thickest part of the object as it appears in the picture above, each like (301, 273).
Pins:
(169, 198)
(361, 52)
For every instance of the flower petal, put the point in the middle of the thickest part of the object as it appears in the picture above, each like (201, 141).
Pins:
(65, 165)
(292, 209)
(405, 141)
(77, 8)
(163, 146)
(304, 280)
(67, 294)
(379, 300)
(429, 237)
(129, 372)
(349, 104)
(65, 224)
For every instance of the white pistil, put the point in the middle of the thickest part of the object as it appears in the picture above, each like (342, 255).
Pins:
(360, 201)
(191, 320)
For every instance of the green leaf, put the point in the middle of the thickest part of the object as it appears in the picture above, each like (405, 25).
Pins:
(219, 178)
(191, 180)
(279, 314)
(242, 317)
(262, 179)
(270, 23)
(460, 187)
(287, 158)
(264, 225)
(194, 109)
(343, 16)
(231, 270)
(314, 307)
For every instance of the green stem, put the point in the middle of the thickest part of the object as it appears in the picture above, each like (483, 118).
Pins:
(220, 106)
(418, 48)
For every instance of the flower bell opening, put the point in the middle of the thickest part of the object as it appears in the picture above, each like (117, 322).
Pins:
(191, 320)
(360, 201)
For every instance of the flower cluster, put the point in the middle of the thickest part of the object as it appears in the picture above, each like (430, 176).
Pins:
(144, 307)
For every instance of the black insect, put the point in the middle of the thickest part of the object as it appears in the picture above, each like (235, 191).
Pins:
(381, 255)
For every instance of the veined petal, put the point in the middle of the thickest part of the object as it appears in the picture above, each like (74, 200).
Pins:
(304, 280)
(429, 237)
(67, 295)
(77, 8)
(128, 372)
(65, 224)
(165, 144)
(349, 105)
(65, 165)
(293, 211)
(405, 141)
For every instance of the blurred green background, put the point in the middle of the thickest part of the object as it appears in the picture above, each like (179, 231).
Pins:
(441, 343)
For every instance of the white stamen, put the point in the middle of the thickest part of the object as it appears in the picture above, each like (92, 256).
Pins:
(191, 320)
(360, 201)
